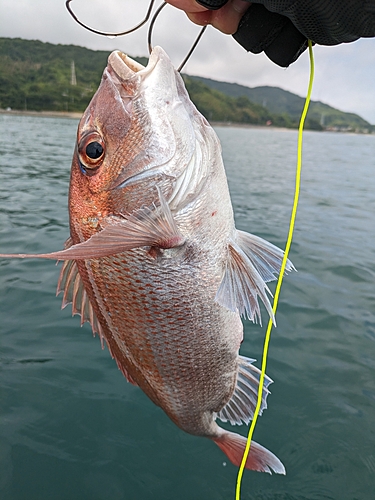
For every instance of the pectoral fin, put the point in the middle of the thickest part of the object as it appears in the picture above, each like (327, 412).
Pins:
(252, 262)
(145, 227)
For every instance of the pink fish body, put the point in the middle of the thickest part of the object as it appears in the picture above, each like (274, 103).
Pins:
(154, 261)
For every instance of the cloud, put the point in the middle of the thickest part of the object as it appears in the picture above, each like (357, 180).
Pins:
(345, 77)
(345, 74)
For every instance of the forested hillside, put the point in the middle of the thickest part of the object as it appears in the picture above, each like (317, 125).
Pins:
(282, 102)
(45, 77)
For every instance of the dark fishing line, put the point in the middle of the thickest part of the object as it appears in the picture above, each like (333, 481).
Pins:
(103, 33)
(149, 37)
(135, 28)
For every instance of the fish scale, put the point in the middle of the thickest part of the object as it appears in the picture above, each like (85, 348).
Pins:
(156, 323)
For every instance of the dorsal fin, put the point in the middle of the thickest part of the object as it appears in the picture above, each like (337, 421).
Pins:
(240, 408)
(71, 284)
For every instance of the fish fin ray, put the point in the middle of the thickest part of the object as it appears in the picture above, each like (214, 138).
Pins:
(265, 257)
(127, 375)
(154, 227)
(259, 458)
(240, 408)
(241, 286)
(252, 262)
(71, 285)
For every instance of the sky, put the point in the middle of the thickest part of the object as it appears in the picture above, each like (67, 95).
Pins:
(344, 77)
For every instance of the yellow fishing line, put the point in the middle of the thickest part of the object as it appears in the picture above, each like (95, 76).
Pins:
(282, 270)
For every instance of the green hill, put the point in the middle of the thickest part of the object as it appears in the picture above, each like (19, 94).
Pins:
(39, 76)
(282, 102)
(219, 107)
(36, 75)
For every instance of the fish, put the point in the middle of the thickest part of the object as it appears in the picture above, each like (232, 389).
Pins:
(154, 261)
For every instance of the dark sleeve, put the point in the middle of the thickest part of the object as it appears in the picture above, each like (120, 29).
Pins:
(281, 28)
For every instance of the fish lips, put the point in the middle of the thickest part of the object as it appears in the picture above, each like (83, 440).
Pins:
(123, 66)
(130, 73)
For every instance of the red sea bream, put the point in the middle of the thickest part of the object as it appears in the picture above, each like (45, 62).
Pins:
(154, 261)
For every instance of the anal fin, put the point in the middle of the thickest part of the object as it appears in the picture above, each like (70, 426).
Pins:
(240, 408)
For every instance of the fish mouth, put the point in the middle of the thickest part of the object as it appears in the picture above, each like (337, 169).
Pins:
(123, 65)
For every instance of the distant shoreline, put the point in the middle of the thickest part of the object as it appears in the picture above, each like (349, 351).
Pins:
(77, 116)
(44, 114)
(74, 114)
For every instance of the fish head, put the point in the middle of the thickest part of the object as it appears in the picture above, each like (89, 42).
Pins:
(138, 134)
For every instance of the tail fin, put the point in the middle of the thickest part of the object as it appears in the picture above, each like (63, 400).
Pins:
(259, 458)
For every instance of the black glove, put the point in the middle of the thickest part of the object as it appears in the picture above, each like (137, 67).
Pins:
(281, 28)
(261, 30)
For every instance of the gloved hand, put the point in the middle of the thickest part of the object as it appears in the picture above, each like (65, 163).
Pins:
(281, 28)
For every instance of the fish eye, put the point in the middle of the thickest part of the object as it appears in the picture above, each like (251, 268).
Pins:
(94, 150)
(91, 152)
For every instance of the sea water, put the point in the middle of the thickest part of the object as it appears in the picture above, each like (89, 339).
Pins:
(72, 428)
